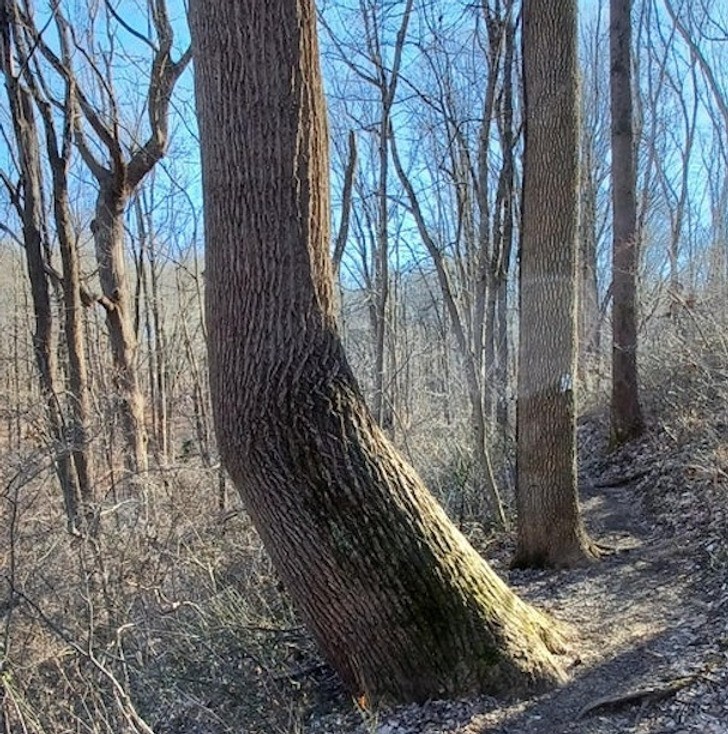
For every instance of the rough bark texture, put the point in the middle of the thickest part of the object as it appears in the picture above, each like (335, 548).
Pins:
(58, 150)
(550, 530)
(399, 602)
(108, 232)
(627, 421)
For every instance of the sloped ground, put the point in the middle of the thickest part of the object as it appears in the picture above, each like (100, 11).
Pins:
(205, 643)
(651, 653)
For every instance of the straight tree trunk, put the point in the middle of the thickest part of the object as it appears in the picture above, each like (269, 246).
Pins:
(59, 150)
(504, 226)
(31, 212)
(502, 418)
(78, 382)
(443, 369)
(154, 329)
(508, 139)
(381, 403)
(589, 321)
(160, 362)
(627, 421)
(108, 233)
(400, 603)
(550, 530)
(490, 360)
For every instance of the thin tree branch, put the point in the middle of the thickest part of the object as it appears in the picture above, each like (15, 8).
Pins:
(343, 232)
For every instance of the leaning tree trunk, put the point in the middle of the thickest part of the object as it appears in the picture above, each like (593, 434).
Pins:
(400, 603)
(627, 421)
(550, 531)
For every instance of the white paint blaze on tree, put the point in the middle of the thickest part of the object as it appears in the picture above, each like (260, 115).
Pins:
(399, 602)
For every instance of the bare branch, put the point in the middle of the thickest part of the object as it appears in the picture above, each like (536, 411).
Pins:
(343, 233)
(164, 76)
(139, 36)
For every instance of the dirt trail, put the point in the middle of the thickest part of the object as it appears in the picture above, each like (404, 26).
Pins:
(651, 651)
(644, 624)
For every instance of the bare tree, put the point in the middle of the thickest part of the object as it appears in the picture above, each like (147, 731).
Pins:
(594, 209)
(550, 529)
(627, 422)
(383, 75)
(27, 198)
(98, 127)
(473, 271)
(399, 602)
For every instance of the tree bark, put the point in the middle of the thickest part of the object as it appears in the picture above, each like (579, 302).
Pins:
(627, 421)
(550, 530)
(78, 382)
(589, 321)
(118, 176)
(399, 602)
(505, 226)
(31, 213)
(108, 233)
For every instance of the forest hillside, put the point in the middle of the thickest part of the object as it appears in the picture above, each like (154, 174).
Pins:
(413, 419)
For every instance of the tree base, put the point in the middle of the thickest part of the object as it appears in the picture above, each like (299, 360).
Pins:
(558, 558)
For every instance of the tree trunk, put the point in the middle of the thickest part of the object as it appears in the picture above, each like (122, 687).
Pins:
(154, 330)
(589, 321)
(381, 407)
(78, 383)
(31, 212)
(550, 530)
(506, 199)
(627, 421)
(501, 375)
(58, 150)
(399, 602)
(504, 224)
(108, 232)
(490, 360)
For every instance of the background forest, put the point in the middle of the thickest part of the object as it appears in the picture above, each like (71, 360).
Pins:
(136, 593)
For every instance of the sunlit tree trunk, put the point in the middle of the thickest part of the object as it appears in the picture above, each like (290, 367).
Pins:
(550, 530)
(505, 204)
(29, 205)
(399, 602)
(73, 326)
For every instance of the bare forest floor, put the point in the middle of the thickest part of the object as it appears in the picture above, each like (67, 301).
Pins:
(651, 649)
(172, 620)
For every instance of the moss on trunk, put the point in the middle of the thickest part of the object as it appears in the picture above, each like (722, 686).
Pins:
(400, 603)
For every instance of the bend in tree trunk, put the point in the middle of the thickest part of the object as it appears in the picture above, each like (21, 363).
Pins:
(400, 603)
